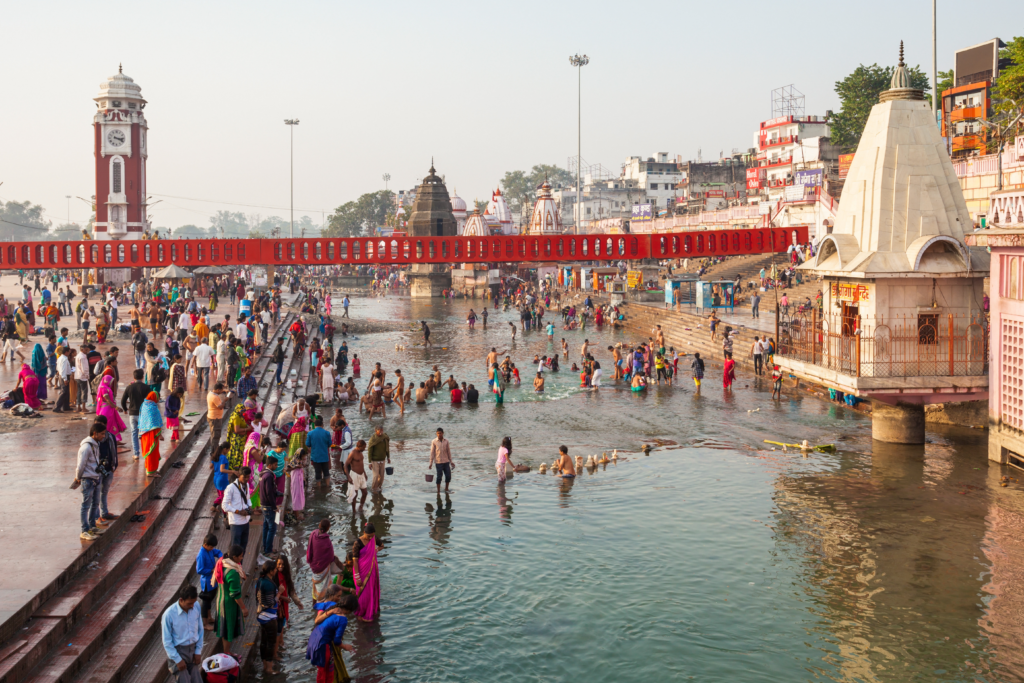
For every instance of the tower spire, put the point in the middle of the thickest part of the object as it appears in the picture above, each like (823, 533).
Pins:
(119, 67)
(901, 54)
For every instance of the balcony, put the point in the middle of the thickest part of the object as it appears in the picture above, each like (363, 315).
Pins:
(779, 182)
(966, 114)
(972, 141)
(770, 163)
(775, 142)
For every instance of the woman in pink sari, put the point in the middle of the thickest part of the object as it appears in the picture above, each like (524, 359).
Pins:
(107, 406)
(327, 304)
(365, 574)
(29, 383)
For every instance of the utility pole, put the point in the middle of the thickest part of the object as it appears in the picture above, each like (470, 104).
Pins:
(386, 177)
(935, 81)
(291, 123)
(579, 62)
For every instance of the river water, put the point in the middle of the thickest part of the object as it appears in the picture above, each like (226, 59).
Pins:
(713, 559)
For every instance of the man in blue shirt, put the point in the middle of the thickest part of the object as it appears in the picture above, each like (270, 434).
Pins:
(182, 628)
(319, 442)
(206, 562)
(247, 382)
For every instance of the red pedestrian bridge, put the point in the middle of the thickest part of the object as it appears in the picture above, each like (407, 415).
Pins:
(395, 250)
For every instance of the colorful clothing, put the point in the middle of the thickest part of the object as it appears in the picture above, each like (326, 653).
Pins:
(150, 427)
(105, 402)
(369, 595)
(228, 617)
(30, 387)
(236, 441)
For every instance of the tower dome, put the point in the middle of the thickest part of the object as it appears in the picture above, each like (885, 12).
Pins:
(458, 203)
(120, 89)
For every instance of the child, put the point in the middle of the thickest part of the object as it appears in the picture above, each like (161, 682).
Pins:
(515, 375)
(171, 409)
(356, 364)
(776, 382)
(222, 472)
(206, 560)
(296, 469)
(324, 647)
(267, 593)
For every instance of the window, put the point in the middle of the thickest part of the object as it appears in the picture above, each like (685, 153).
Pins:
(654, 186)
(927, 327)
(116, 183)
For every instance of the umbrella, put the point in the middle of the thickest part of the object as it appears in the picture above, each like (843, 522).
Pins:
(212, 270)
(171, 272)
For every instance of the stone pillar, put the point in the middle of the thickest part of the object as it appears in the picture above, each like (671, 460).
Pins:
(426, 281)
(901, 423)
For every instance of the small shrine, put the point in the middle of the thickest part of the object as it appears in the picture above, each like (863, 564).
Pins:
(545, 219)
(902, 322)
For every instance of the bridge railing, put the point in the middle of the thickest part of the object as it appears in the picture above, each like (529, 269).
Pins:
(190, 253)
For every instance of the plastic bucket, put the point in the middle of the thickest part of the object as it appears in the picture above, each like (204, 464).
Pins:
(430, 477)
(389, 470)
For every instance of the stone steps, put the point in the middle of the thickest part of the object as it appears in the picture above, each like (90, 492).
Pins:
(80, 624)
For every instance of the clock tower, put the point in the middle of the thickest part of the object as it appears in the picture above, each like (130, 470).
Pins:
(121, 148)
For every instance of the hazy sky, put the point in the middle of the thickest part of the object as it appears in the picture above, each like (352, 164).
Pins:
(380, 87)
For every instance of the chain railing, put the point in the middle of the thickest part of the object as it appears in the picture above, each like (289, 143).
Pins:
(926, 345)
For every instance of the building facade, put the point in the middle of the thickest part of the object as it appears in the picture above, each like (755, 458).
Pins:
(120, 138)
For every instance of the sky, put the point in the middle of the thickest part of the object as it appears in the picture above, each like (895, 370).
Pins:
(383, 87)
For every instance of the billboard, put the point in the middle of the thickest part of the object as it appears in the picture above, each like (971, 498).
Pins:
(811, 177)
(845, 161)
(754, 184)
(752, 173)
(641, 213)
(977, 63)
(715, 193)
(794, 193)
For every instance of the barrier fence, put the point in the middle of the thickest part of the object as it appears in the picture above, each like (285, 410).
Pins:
(928, 344)
(394, 250)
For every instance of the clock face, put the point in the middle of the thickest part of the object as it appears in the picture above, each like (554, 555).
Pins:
(115, 138)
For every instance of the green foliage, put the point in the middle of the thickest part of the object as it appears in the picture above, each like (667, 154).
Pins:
(1009, 88)
(858, 93)
(358, 217)
(23, 221)
(945, 81)
(521, 188)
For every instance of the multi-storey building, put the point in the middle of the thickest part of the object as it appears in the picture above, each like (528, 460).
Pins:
(968, 103)
(786, 145)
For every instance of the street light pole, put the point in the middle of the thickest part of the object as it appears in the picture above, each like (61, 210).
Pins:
(387, 178)
(579, 62)
(68, 197)
(291, 123)
(935, 82)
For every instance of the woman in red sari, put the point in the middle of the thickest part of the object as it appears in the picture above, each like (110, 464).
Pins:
(366, 575)
(728, 372)
(29, 383)
(150, 428)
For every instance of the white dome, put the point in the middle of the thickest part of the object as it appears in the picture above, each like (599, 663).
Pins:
(458, 203)
(120, 87)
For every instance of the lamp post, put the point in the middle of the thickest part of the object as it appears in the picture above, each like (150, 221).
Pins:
(386, 177)
(291, 123)
(579, 62)
(68, 197)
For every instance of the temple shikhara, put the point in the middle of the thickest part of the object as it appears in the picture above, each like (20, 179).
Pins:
(902, 323)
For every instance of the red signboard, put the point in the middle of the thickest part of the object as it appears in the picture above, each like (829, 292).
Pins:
(752, 173)
(778, 121)
(715, 193)
(753, 184)
(845, 161)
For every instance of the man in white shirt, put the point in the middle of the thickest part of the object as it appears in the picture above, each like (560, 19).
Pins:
(112, 305)
(265, 317)
(240, 329)
(236, 504)
(64, 373)
(184, 326)
(203, 356)
(757, 351)
(82, 380)
(222, 362)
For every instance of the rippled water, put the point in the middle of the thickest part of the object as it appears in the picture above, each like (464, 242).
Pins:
(711, 559)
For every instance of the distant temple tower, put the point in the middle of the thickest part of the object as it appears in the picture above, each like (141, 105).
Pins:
(120, 136)
(545, 220)
(431, 217)
(498, 214)
(459, 212)
(902, 321)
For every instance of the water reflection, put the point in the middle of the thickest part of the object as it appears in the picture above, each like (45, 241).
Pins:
(504, 505)
(439, 520)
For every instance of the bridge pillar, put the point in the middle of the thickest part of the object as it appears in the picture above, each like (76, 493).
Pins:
(900, 423)
(427, 281)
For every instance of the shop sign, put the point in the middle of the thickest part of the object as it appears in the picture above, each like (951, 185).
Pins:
(845, 161)
(849, 291)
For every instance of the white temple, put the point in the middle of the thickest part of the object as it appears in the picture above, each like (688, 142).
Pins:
(545, 219)
(499, 215)
(459, 211)
(476, 226)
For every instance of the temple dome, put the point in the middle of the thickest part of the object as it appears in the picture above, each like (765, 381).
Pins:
(545, 219)
(458, 203)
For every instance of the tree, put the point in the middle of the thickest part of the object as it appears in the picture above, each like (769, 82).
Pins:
(193, 231)
(23, 221)
(356, 218)
(1009, 87)
(858, 93)
(558, 177)
(945, 81)
(518, 189)
(480, 205)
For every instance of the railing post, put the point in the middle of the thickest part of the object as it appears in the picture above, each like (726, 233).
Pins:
(814, 335)
(858, 335)
(952, 365)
